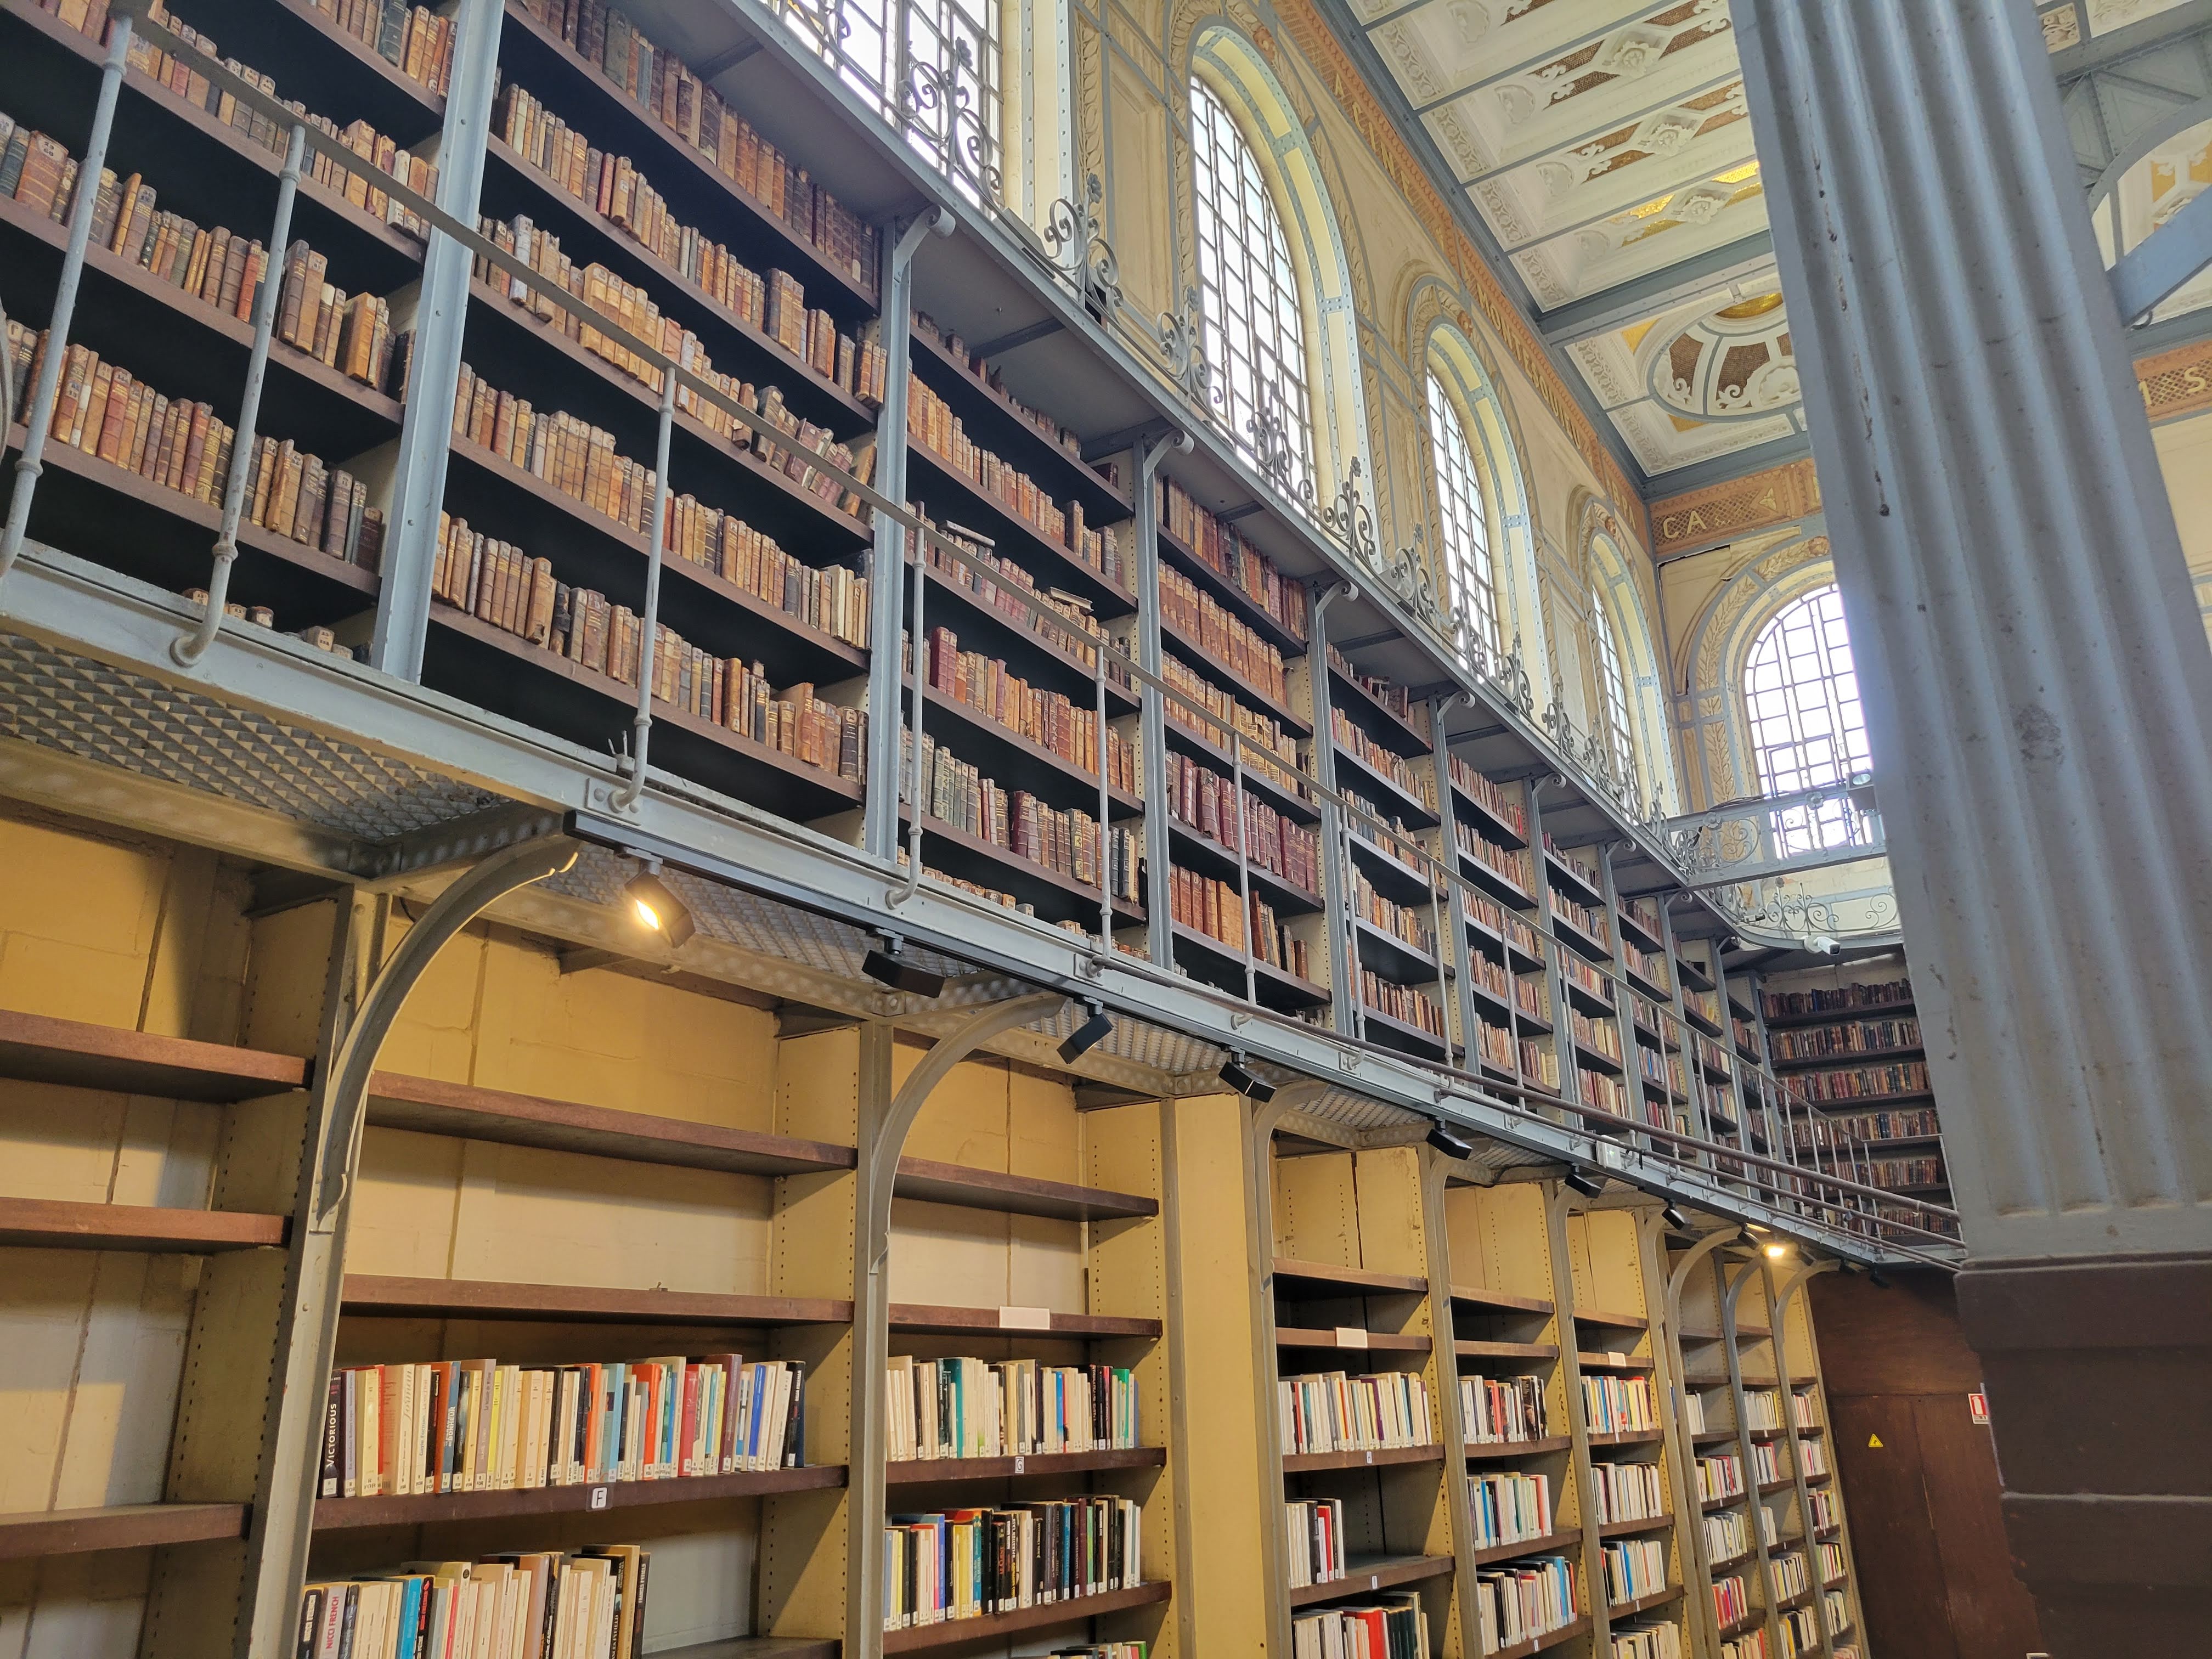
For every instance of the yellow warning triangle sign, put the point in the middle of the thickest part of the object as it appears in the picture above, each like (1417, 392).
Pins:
(1873, 1442)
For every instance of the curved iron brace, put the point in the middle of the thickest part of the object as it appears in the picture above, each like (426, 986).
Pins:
(451, 911)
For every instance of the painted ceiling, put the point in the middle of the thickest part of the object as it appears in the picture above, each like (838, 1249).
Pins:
(1607, 147)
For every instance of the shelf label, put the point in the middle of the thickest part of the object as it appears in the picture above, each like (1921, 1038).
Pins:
(1351, 1336)
(1375, 1581)
(1021, 1464)
(1370, 1457)
(1616, 1358)
(1978, 1404)
(598, 1498)
(1025, 1319)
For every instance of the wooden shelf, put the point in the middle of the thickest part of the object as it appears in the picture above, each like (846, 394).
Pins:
(1338, 1279)
(1840, 1016)
(1547, 1639)
(1366, 1574)
(469, 1298)
(1711, 1505)
(1232, 597)
(1550, 1542)
(430, 1107)
(758, 1647)
(923, 1471)
(38, 1048)
(1002, 751)
(50, 1223)
(1629, 1437)
(31, 1534)
(1497, 1301)
(1390, 1031)
(1506, 1350)
(1614, 1320)
(1630, 1529)
(1219, 859)
(1751, 1620)
(1307, 1462)
(990, 418)
(1073, 1611)
(949, 495)
(1658, 1598)
(1299, 1336)
(1610, 1362)
(1216, 672)
(1057, 896)
(315, 60)
(1505, 1451)
(1379, 720)
(426, 1508)
(987, 1190)
(1395, 799)
(1277, 988)
(920, 1318)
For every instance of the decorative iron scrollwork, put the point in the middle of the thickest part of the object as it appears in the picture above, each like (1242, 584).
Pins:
(937, 106)
(1081, 254)
(1179, 338)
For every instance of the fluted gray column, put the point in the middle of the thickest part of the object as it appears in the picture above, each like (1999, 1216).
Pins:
(2039, 696)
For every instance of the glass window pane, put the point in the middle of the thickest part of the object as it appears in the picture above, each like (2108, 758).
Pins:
(1469, 575)
(1808, 727)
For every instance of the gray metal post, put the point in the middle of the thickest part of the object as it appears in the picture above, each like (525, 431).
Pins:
(1336, 890)
(1624, 998)
(879, 816)
(1159, 856)
(441, 315)
(39, 420)
(1462, 958)
(1555, 978)
(648, 619)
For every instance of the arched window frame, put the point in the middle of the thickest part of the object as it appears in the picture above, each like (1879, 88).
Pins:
(1231, 67)
(1470, 566)
(1617, 601)
(1805, 721)
(1612, 699)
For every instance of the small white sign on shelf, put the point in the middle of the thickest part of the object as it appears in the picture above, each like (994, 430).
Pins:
(1025, 1319)
(1351, 1336)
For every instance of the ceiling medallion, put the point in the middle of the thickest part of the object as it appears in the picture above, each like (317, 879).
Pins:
(1734, 363)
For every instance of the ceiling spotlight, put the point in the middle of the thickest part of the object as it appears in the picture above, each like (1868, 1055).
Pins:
(1449, 1140)
(1775, 1252)
(1876, 1277)
(655, 905)
(888, 966)
(1237, 1077)
(1088, 1036)
(1672, 1216)
(1588, 1185)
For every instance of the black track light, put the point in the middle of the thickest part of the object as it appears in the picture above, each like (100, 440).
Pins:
(1450, 1141)
(655, 905)
(1672, 1216)
(888, 966)
(1088, 1036)
(1876, 1277)
(1588, 1185)
(1235, 1074)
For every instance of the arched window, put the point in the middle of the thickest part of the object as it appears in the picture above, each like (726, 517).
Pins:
(1470, 578)
(1248, 296)
(1807, 727)
(1613, 695)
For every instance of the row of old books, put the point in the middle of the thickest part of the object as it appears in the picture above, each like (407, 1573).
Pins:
(1228, 555)
(1650, 966)
(1647, 1638)
(563, 450)
(1493, 1044)
(1702, 1005)
(1522, 1599)
(1587, 918)
(1620, 1405)
(479, 1425)
(931, 424)
(927, 327)
(1407, 923)
(1388, 693)
(1599, 1036)
(958, 793)
(1841, 1000)
(349, 332)
(772, 304)
(1492, 976)
(1539, 1063)
(416, 40)
(968, 1407)
(1216, 909)
(661, 83)
(1049, 720)
(970, 1563)
(185, 79)
(1634, 1568)
(1904, 1172)
(498, 583)
(1510, 1508)
(1501, 923)
(1823, 1516)
(1220, 637)
(1791, 1575)
(1492, 797)
(1627, 1491)
(183, 446)
(1207, 802)
(1859, 1037)
(1390, 1628)
(1262, 731)
(1510, 862)
(832, 600)
(583, 1604)
(1499, 1411)
(1313, 1531)
(1577, 971)
(1013, 593)
(1898, 1123)
(1732, 1603)
(1406, 1003)
(1728, 1535)
(1417, 782)
(1906, 1077)
(1337, 1412)
(1663, 1069)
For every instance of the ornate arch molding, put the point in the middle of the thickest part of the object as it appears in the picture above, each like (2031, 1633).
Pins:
(1604, 542)
(1222, 49)
(1713, 718)
(1469, 382)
